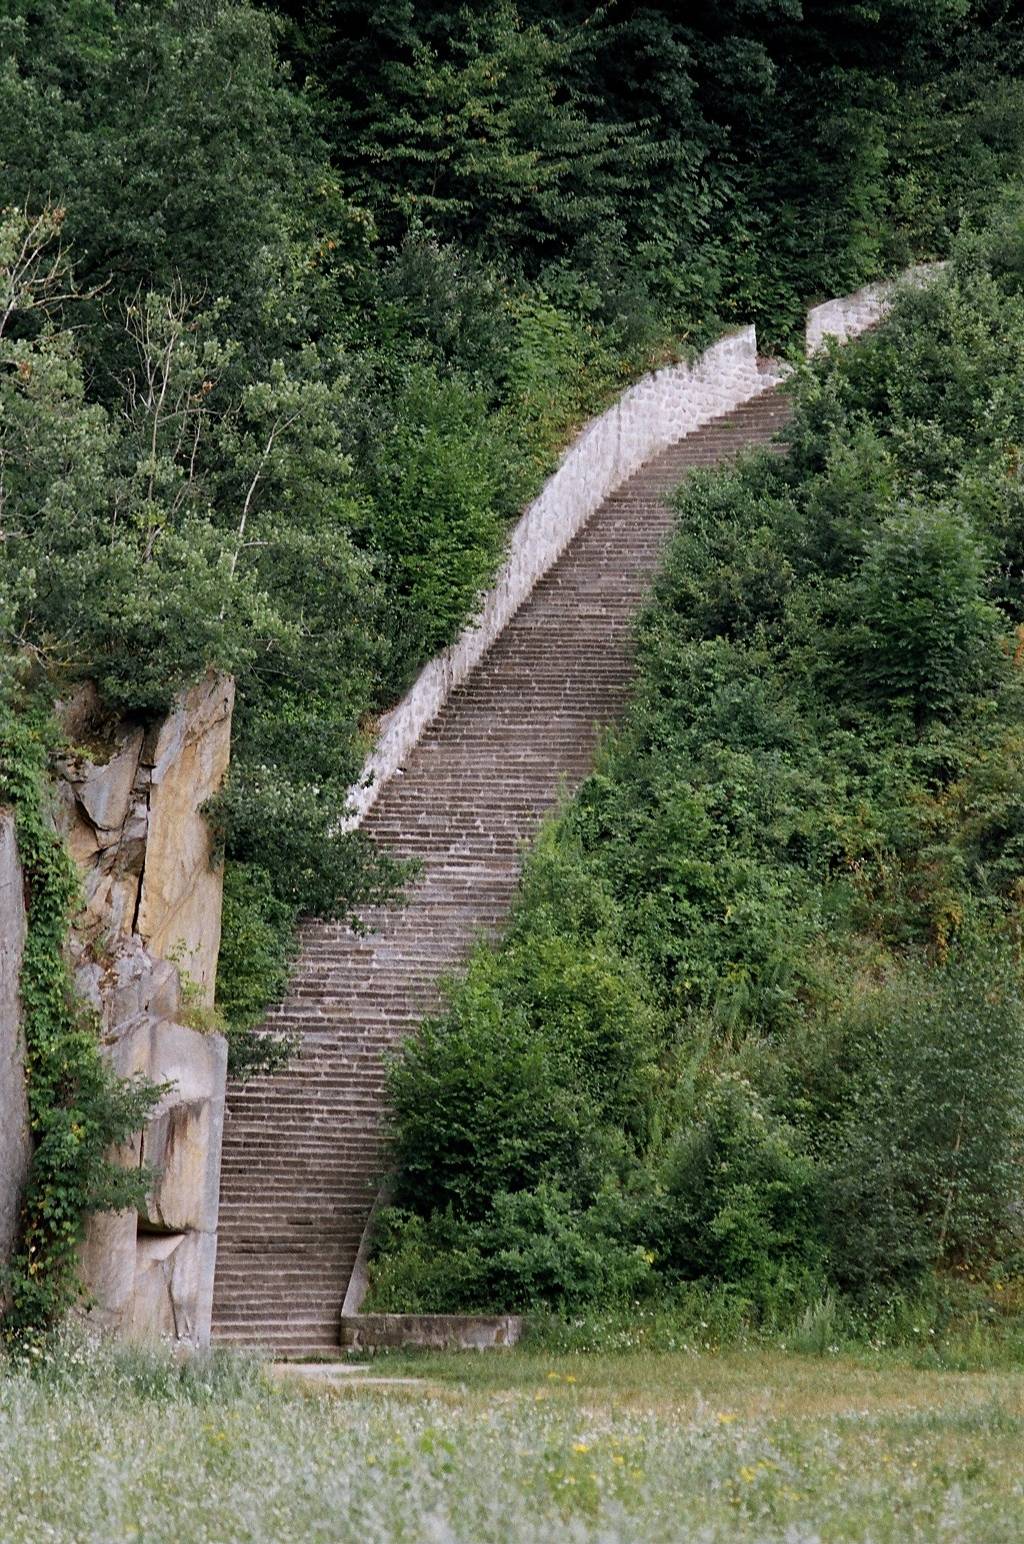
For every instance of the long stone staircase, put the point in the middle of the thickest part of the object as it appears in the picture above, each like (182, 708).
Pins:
(304, 1150)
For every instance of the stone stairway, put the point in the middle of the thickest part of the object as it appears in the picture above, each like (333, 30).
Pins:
(303, 1150)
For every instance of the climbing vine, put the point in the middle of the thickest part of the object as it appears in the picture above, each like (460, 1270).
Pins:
(78, 1108)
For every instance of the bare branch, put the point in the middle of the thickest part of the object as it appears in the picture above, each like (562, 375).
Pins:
(279, 425)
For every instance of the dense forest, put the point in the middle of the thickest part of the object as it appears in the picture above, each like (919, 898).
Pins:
(299, 302)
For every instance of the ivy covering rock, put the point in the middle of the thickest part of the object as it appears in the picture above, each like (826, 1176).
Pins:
(78, 1108)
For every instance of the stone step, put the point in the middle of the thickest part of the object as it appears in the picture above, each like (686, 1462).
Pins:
(304, 1150)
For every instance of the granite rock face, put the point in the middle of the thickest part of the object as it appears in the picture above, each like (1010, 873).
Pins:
(150, 1272)
(180, 901)
(128, 806)
(15, 1141)
(144, 953)
(173, 1296)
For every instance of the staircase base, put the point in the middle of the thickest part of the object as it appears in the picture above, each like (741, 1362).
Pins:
(430, 1331)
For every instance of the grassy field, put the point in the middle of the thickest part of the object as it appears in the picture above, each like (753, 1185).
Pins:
(517, 1446)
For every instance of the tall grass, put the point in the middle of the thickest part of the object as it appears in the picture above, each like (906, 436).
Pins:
(97, 1447)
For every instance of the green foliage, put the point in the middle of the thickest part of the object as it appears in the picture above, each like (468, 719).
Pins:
(554, 365)
(739, 1199)
(545, 1066)
(437, 486)
(174, 171)
(921, 630)
(259, 940)
(78, 1109)
(669, 156)
(468, 120)
(924, 1164)
(756, 1022)
(290, 831)
(531, 1248)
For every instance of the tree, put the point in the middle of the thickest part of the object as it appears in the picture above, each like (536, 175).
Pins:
(470, 122)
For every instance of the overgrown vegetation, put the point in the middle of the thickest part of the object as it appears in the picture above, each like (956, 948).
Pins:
(284, 347)
(757, 1023)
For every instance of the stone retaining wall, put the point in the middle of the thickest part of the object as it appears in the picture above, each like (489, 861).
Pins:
(659, 409)
(430, 1331)
(851, 315)
(647, 418)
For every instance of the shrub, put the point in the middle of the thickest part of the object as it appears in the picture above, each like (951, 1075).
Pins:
(439, 481)
(544, 1068)
(290, 831)
(531, 1249)
(742, 1200)
(258, 941)
(924, 1166)
(922, 632)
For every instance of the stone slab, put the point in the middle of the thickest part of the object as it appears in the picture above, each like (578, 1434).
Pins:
(105, 789)
(150, 1273)
(182, 1146)
(107, 1264)
(430, 1331)
(173, 1288)
(193, 1062)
